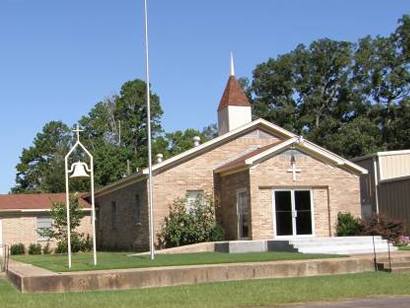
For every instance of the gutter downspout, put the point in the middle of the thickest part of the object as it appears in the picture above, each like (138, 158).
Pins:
(376, 183)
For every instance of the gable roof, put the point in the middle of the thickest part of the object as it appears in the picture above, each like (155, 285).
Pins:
(33, 202)
(195, 151)
(268, 151)
(233, 95)
(259, 123)
(241, 161)
(222, 139)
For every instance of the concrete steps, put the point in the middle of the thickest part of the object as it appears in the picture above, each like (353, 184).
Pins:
(341, 245)
(310, 245)
(396, 266)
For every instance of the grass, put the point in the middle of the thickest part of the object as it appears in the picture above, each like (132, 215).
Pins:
(404, 247)
(117, 260)
(268, 292)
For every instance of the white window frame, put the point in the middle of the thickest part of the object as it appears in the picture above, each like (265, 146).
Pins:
(199, 192)
(292, 195)
(50, 220)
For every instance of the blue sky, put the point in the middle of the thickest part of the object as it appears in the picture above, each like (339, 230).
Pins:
(58, 58)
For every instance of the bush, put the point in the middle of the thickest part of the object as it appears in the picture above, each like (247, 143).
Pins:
(348, 225)
(61, 247)
(17, 249)
(34, 249)
(46, 249)
(403, 241)
(188, 226)
(75, 245)
(217, 233)
(86, 243)
(388, 228)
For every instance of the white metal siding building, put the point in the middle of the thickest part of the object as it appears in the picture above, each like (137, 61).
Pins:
(386, 189)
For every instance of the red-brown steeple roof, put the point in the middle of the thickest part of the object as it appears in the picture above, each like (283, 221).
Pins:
(233, 95)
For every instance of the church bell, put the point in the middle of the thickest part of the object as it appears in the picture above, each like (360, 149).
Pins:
(80, 170)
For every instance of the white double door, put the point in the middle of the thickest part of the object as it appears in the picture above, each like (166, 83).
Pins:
(293, 210)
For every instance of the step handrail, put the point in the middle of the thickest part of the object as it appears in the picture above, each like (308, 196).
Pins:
(6, 258)
(374, 255)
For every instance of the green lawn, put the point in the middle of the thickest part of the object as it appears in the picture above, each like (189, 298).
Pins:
(228, 294)
(404, 247)
(115, 260)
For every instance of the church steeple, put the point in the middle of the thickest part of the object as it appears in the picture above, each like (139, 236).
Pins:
(234, 108)
(232, 66)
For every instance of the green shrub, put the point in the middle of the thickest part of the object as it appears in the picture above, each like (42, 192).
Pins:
(58, 230)
(86, 243)
(75, 245)
(34, 249)
(46, 249)
(217, 233)
(17, 249)
(188, 226)
(348, 225)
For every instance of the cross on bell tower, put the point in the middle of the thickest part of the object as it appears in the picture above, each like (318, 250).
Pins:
(77, 130)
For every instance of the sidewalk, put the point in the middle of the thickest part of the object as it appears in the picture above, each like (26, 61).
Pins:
(26, 269)
(396, 302)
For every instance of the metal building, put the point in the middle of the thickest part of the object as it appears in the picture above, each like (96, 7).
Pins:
(386, 189)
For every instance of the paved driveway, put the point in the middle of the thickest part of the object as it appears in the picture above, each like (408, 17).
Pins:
(391, 302)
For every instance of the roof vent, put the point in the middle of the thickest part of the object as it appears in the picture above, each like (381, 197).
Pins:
(197, 141)
(159, 157)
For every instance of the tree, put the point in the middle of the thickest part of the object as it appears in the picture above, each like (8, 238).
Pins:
(58, 230)
(171, 144)
(383, 77)
(41, 166)
(115, 131)
(348, 97)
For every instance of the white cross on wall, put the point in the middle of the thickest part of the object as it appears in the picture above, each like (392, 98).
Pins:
(293, 169)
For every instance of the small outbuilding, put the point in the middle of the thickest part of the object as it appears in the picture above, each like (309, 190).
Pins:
(21, 215)
(385, 189)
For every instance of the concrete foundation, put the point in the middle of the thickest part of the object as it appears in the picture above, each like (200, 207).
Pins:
(180, 275)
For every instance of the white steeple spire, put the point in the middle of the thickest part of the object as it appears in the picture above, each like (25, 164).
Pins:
(232, 72)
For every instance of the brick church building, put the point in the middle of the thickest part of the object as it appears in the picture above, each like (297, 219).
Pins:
(268, 183)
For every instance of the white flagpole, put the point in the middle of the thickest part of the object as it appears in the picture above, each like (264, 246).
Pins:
(150, 186)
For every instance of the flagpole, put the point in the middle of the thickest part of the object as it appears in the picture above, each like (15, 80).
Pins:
(150, 186)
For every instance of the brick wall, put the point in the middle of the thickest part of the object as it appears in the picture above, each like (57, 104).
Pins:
(194, 174)
(198, 173)
(18, 228)
(226, 195)
(334, 190)
(125, 231)
(328, 182)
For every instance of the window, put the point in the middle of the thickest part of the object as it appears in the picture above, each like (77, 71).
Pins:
(137, 210)
(193, 196)
(113, 215)
(44, 223)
